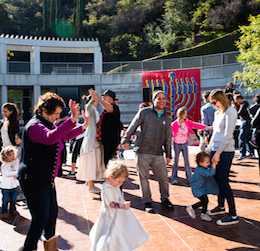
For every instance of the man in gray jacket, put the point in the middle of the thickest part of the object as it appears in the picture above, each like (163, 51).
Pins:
(154, 139)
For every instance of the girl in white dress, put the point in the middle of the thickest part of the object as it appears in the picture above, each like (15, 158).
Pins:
(116, 227)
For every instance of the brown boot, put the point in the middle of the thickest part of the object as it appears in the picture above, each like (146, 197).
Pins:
(51, 244)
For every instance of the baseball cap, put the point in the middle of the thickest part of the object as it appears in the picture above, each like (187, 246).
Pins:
(155, 93)
(109, 93)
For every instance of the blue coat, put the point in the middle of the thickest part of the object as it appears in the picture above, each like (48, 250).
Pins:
(203, 182)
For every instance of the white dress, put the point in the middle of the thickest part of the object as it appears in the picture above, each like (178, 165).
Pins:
(91, 160)
(116, 229)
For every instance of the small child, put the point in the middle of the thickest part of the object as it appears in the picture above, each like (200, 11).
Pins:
(203, 183)
(9, 182)
(116, 227)
(18, 142)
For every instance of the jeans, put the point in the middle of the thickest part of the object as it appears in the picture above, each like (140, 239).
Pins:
(9, 195)
(244, 137)
(184, 149)
(221, 177)
(157, 163)
(42, 203)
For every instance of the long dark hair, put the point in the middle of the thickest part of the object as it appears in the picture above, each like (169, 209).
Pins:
(14, 116)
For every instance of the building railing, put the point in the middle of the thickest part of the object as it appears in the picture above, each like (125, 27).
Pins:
(18, 67)
(14, 67)
(67, 68)
(169, 64)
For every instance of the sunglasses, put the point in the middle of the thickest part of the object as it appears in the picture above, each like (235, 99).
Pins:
(214, 102)
(116, 99)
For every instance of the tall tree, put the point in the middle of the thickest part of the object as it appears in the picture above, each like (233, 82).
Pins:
(249, 57)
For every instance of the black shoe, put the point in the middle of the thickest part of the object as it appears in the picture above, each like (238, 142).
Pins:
(253, 143)
(228, 220)
(217, 210)
(149, 208)
(167, 204)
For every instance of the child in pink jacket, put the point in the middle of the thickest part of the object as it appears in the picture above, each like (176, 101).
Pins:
(181, 129)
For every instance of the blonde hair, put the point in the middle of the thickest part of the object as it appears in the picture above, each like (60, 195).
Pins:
(5, 151)
(220, 96)
(181, 111)
(116, 169)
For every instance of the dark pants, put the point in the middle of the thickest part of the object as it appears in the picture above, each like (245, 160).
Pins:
(109, 151)
(258, 149)
(76, 150)
(42, 203)
(9, 195)
(221, 176)
(204, 201)
(245, 137)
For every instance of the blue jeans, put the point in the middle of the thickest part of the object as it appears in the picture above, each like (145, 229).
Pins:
(9, 195)
(42, 203)
(178, 148)
(221, 177)
(244, 137)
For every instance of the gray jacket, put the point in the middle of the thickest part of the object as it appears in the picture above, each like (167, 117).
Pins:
(156, 133)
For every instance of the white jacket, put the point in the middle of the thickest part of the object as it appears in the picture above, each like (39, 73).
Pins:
(9, 172)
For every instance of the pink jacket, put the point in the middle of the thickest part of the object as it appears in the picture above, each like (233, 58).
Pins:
(190, 124)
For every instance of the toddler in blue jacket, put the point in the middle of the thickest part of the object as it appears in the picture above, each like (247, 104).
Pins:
(203, 183)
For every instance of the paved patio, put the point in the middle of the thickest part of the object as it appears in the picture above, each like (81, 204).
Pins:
(168, 230)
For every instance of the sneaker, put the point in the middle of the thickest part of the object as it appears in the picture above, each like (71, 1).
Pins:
(205, 217)
(217, 210)
(95, 190)
(240, 157)
(20, 197)
(174, 182)
(71, 174)
(4, 216)
(14, 212)
(253, 143)
(228, 220)
(191, 212)
(167, 204)
(148, 208)
(251, 156)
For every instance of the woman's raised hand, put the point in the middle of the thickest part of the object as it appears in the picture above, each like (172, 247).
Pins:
(74, 110)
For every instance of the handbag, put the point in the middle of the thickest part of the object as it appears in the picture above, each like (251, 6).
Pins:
(193, 140)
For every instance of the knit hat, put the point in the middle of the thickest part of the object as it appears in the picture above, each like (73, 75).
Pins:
(155, 93)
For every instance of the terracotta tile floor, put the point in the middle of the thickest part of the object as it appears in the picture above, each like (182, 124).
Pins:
(168, 230)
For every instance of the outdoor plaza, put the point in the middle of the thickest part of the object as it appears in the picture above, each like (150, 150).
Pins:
(168, 230)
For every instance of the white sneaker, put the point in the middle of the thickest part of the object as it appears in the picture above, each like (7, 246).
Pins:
(191, 212)
(95, 190)
(205, 217)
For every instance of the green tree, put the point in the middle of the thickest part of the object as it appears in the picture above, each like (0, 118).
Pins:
(249, 57)
(127, 46)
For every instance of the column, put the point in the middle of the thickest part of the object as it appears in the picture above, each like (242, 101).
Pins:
(4, 94)
(3, 59)
(36, 93)
(97, 60)
(35, 60)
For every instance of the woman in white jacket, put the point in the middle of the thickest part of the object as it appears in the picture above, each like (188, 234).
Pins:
(91, 161)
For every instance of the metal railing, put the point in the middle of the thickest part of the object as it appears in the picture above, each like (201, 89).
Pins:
(17, 67)
(67, 68)
(220, 59)
(169, 64)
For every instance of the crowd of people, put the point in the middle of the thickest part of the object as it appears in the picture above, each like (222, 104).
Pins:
(97, 137)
